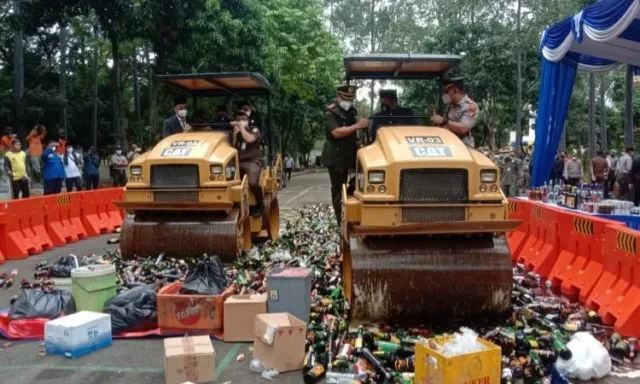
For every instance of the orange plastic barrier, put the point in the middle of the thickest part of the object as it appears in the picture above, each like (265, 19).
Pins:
(616, 296)
(540, 251)
(62, 218)
(581, 243)
(22, 228)
(98, 213)
(518, 210)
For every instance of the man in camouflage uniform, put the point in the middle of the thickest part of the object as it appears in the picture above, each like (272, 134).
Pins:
(525, 173)
(339, 151)
(508, 177)
(462, 112)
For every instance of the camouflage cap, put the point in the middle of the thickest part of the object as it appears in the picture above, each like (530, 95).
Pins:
(347, 91)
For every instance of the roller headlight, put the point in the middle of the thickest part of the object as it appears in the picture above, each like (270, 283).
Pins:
(488, 176)
(376, 177)
(230, 171)
(135, 171)
(216, 169)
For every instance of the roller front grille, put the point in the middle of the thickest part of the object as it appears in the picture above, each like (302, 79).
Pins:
(433, 214)
(174, 176)
(434, 185)
(176, 196)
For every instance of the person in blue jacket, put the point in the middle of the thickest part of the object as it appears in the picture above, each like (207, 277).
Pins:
(91, 169)
(53, 170)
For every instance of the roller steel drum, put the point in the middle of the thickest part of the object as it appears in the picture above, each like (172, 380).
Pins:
(426, 278)
(182, 235)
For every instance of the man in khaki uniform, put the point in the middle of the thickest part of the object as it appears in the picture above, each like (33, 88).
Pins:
(462, 112)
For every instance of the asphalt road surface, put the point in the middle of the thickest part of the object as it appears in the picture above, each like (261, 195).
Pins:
(140, 361)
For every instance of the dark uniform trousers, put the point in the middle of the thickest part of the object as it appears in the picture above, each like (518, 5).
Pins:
(338, 176)
(253, 168)
(338, 155)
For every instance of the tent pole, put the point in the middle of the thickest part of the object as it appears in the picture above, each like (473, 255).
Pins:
(628, 109)
(592, 115)
(603, 115)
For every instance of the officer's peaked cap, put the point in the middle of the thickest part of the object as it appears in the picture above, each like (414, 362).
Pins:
(347, 92)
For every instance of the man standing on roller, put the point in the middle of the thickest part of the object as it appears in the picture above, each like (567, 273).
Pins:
(339, 152)
(246, 139)
(462, 112)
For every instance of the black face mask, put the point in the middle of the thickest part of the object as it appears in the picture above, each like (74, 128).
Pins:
(384, 108)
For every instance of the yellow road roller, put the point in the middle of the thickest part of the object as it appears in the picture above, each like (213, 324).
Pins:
(423, 234)
(186, 197)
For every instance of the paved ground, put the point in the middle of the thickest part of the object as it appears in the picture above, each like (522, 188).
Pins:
(141, 361)
(134, 361)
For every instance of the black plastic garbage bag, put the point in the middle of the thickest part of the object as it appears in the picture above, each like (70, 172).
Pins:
(62, 268)
(37, 304)
(133, 310)
(207, 278)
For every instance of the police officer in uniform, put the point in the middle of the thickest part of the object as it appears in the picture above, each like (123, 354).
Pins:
(391, 113)
(246, 139)
(509, 177)
(339, 151)
(462, 112)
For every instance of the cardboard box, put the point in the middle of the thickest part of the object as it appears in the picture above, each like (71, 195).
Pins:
(189, 359)
(483, 367)
(279, 340)
(240, 316)
(77, 335)
(185, 312)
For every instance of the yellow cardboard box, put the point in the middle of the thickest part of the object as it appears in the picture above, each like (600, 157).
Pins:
(483, 367)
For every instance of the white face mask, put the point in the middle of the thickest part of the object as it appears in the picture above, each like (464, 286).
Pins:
(346, 105)
(248, 113)
(182, 113)
(118, 152)
(69, 150)
(244, 124)
(446, 99)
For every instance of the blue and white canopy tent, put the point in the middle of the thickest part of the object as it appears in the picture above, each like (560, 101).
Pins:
(599, 38)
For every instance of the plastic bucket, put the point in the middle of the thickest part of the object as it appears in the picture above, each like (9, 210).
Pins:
(63, 284)
(92, 286)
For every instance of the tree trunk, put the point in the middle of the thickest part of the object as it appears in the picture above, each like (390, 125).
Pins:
(94, 117)
(373, 50)
(120, 121)
(519, 85)
(153, 94)
(136, 86)
(603, 115)
(18, 69)
(63, 80)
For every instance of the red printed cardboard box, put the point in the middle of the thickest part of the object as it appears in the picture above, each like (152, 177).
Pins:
(185, 312)
(279, 341)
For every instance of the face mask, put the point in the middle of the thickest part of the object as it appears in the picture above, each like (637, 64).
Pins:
(384, 107)
(138, 150)
(346, 105)
(574, 158)
(244, 124)
(446, 98)
(248, 113)
(182, 113)
(118, 152)
(69, 150)
(486, 153)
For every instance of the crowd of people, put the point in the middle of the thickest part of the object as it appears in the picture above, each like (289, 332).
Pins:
(57, 164)
(617, 175)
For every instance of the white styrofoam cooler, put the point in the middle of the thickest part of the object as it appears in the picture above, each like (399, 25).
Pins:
(77, 335)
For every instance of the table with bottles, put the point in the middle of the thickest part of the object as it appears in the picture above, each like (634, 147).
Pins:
(589, 199)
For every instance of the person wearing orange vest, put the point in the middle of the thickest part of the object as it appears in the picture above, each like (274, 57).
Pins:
(5, 141)
(34, 139)
(62, 144)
